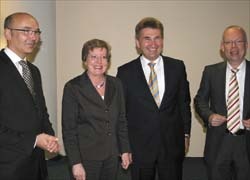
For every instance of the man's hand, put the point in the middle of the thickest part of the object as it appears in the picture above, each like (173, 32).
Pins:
(187, 142)
(216, 119)
(246, 124)
(78, 172)
(126, 160)
(47, 142)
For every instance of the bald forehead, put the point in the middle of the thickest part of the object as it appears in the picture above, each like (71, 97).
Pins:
(237, 30)
(23, 20)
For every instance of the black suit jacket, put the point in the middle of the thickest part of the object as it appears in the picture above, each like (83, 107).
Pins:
(211, 99)
(151, 128)
(22, 117)
(93, 128)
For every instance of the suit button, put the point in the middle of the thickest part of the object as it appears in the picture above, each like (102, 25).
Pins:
(106, 110)
(109, 133)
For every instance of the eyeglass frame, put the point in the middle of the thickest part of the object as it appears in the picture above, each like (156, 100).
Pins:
(236, 43)
(95, 58)
(27, 31)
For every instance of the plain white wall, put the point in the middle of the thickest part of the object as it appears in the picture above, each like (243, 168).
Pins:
(193, 32)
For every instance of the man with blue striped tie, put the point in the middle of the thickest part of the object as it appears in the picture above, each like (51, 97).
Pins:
(158, 106)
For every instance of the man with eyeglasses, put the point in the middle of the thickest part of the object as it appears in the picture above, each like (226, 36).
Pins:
(25, 129)
(223, 103)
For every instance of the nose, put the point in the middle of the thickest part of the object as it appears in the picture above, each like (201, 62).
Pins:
(99, 60)
(233, 44)
(33, 36)
(153, 42)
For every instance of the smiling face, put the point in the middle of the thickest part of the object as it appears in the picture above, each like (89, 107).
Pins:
(97, 62)
(18, 41)
(234, 45)
(150, 42)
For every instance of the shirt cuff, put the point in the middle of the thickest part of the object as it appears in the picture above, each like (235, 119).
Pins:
(35, 143)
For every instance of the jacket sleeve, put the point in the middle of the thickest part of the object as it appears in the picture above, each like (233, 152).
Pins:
(184, 101)
(69, 125)
(122, 123)
(201, 100)
(47, 126)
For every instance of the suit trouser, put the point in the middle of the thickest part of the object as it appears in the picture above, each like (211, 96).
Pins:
(232, 160)
(166, 169)
(101, 170)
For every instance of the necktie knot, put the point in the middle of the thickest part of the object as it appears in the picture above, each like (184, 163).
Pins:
(234, 71)
(151, 65)
(23, 64)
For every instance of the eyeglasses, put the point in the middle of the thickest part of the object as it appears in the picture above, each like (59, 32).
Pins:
(236, 43)
(27, 31)
(95, 58)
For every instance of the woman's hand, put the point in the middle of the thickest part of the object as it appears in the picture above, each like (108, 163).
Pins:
(79, 172)
(126, 160)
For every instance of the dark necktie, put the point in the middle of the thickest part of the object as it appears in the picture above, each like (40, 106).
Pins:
(233, 104)
(27, 76)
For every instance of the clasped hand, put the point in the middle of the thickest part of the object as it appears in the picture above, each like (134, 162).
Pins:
(47, 142)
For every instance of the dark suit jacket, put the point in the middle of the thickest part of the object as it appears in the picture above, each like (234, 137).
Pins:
(22, 117)
(93, 128)
(151, 129)
(211, 99)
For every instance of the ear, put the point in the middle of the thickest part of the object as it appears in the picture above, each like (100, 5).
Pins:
(222, 48)
(137, 43)
(7, 34)
(246, 45)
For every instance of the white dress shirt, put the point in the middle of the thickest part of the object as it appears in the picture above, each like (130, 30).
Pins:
(15, 59)
(159, 70)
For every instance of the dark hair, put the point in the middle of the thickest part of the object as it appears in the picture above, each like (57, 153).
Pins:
(95, 43)
(7, 21)
(149, 22)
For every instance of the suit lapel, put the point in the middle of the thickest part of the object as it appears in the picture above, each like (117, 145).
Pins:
(13, 72)
(140, 74)
(88, 90)
(109, 91)
(167, 80)
(246, 109)
(220, 84)
(142, 83)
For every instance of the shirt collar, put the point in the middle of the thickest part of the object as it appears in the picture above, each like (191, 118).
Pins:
(13, 56)
(240, 68)
(145, 61)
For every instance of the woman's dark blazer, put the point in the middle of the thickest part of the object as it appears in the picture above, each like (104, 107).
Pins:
(93, 128)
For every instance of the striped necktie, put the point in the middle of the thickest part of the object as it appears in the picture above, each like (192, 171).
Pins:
(153, 84)
(233, 104)
(27, 77)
